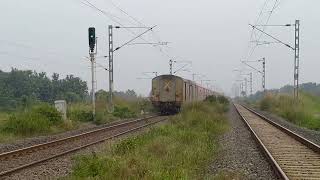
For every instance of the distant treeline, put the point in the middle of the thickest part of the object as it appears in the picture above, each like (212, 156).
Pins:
(310, 88)
(20, 88)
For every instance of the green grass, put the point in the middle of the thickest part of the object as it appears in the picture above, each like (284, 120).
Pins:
(3, 117)
(305, 112)
(41, 118)
(80, 112)
(36, 120)
(180, 149)
(5, 137)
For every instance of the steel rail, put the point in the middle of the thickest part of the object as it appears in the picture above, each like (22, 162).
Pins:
(292, 134)
(275, 165)
(32, 148)
(22, 150)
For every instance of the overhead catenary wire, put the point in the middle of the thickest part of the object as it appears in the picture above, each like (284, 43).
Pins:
(252, 67)
(91, 5)
(128, 42)
(109, 15)
(278, 40)
(123, 11)
(137, 21)
(117, 22)
(257, 38)
(111, 18)
(163, 51)
(258, 19)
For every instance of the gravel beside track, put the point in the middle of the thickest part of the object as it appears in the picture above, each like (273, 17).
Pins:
(239, 153)
(61, 165)
(311, 135)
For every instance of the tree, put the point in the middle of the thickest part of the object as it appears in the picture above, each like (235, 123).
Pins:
(19, 87)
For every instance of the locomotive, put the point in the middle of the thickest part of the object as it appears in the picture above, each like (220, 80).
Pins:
(169, 92)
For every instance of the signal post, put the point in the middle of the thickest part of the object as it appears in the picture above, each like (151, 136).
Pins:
(92, 53)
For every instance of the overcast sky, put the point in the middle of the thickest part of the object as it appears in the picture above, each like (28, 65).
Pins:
(51, 36)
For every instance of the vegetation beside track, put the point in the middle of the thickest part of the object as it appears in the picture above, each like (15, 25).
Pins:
(179, 149)
(44, 119)
(27, 97)
(304, 113)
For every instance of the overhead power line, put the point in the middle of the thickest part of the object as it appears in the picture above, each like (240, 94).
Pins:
(134, 38)
(110, 16)
(113, 18)
(107, 14)
(278, 40)
(253, 32)
(155, 35)
(127, 14)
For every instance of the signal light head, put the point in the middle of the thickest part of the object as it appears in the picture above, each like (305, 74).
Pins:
(92, 38)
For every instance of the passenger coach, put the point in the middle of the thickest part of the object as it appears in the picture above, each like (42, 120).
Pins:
(169, 92)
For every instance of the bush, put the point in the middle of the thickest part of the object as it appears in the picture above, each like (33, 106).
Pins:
(223, 100)
(211, 99)
(80, 112)
(265, 104)
(217, 99)
(123, 112)
(38, 119)
(303, 112)
(49, 112)
(82, 115)
(103, 117)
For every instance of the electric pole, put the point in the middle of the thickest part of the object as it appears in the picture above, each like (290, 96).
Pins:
(246, 84)
(264, 74)
(110, 36)
(296, 59)
(111, 52)
(251, 83)
(242, 89)
(296, 49)
(170, 66)
(92, 52)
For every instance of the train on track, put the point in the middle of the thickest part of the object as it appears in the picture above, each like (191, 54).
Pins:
(170, 92)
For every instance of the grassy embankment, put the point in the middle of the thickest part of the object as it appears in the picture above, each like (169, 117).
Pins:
(305, 112)
(179, 149)
(43, 119)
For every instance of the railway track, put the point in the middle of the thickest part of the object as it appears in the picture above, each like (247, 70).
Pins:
(14, 161)
(292, 156)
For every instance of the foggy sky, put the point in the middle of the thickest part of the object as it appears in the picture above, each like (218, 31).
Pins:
(51, 36)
